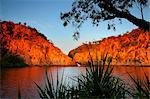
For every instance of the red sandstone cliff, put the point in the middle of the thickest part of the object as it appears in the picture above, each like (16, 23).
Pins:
(129, 49)
(30, 45)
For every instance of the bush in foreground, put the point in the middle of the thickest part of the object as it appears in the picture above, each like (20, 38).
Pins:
(98, 82)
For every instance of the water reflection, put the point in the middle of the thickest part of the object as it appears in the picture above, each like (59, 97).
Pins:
(12, 78)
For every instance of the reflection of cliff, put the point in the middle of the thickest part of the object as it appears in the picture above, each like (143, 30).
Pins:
(30, 45)
(129, 49)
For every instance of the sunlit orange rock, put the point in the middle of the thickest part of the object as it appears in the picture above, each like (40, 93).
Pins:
(132, 48)
(31, 45)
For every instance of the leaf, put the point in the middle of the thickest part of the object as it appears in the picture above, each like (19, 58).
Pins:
(65, 23)
(108, 27)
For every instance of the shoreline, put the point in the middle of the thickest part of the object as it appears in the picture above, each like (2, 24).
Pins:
(73, 66)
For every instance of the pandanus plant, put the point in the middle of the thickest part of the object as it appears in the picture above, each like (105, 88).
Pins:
(98, 82)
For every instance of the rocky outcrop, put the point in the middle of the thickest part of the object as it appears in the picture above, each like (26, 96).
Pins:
(129, 49)
(32, 46)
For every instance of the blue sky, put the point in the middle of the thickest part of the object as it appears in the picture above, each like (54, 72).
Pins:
(44, 15)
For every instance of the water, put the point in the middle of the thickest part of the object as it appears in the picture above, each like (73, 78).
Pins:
(12, 78)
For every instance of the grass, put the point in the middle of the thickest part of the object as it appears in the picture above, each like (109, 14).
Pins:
(52, 91)
(98, 82)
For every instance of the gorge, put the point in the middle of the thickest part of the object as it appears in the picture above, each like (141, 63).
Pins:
(21, 43)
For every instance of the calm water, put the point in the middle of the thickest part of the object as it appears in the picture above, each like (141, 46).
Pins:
(12, 78)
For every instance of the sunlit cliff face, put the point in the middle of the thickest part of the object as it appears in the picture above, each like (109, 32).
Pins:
(30, 45)
(129, 49)
(33, 47)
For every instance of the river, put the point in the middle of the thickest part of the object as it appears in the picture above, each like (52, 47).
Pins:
(12, 78)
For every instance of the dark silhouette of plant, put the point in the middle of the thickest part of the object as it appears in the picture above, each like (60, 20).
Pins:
(53, 90)
(141, 88)
(43, 36)
(25, 23)
(102, 10)
(19, 93)
(98, 82)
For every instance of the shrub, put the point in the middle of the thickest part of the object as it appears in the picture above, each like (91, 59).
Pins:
(98, 82)
(42, 35)
(9, 27)
(12, 60)
(71, 55)
(134, 43)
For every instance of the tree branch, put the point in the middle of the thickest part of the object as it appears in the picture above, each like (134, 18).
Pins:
(121, 14)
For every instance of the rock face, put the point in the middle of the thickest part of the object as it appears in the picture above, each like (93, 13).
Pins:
(32, 46)
(129, 49)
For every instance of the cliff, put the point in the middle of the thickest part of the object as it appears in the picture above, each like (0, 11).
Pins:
(29, 45)
(129, 49)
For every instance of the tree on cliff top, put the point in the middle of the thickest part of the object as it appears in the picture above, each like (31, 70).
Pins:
(101, 10)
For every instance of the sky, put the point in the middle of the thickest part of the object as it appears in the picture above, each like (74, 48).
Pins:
(44, 15)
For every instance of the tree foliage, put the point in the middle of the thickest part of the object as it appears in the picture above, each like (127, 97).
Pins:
(102, 10)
